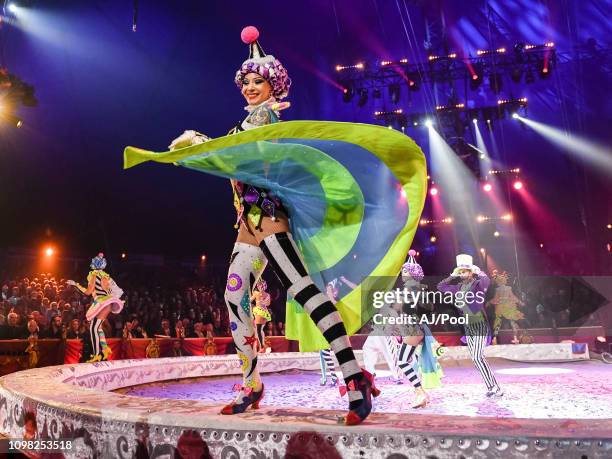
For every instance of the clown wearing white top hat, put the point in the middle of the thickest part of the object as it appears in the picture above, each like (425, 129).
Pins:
(468, 278)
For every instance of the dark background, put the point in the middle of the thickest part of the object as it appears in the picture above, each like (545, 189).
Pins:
(101, 87)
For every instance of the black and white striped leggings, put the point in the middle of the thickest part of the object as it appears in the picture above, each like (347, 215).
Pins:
(94, 336)
(283, 255)
(407, 362)
(476, 335)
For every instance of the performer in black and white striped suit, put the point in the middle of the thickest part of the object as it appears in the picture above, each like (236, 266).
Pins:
(467, 277)
(477, 335)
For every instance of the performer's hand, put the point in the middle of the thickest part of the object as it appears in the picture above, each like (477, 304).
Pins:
(71, 282)
(476, 270)
(199, 138)
(187, 139)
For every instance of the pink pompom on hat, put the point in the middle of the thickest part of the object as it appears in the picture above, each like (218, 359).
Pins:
(267, 66)
(412, 268)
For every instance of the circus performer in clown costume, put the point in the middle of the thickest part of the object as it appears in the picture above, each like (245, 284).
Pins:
(467, 277)
(506, 306)
(410, 349)
(106, 299)
(422, 369)
(311, 197)
(261, 312)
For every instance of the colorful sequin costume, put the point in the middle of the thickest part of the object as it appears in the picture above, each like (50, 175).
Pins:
(253, 202)
(102, 298)
(506, 305)
(337, 182)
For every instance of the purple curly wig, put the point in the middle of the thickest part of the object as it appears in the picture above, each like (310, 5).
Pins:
(268, 67)
(272, 71)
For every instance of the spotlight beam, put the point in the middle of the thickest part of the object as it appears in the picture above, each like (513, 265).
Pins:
(600, 156)
(457, 182)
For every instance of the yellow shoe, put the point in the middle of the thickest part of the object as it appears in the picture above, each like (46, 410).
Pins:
(94, 358)
(106, 353)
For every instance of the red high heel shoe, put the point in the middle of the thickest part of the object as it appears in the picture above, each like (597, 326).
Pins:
(367, 388)
(251, 398)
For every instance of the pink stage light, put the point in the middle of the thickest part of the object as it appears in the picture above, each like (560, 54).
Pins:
(487, 187)
(517, 185)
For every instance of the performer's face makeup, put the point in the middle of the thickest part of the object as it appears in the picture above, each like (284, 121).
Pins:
(255, 89)
(465, 274)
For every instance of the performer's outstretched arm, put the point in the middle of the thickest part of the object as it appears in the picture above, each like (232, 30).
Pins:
(85, 291)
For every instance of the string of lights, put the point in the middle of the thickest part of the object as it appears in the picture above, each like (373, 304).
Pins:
(524, 62)
(457, 116)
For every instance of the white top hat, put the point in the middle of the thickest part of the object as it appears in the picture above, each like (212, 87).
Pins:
(465, 261)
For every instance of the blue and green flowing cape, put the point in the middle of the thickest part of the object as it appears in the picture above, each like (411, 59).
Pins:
(354, 193)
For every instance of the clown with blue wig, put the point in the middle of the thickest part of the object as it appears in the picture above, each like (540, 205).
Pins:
(106, 298)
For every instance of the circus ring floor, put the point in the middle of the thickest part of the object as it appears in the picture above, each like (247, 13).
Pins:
(557, 404)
